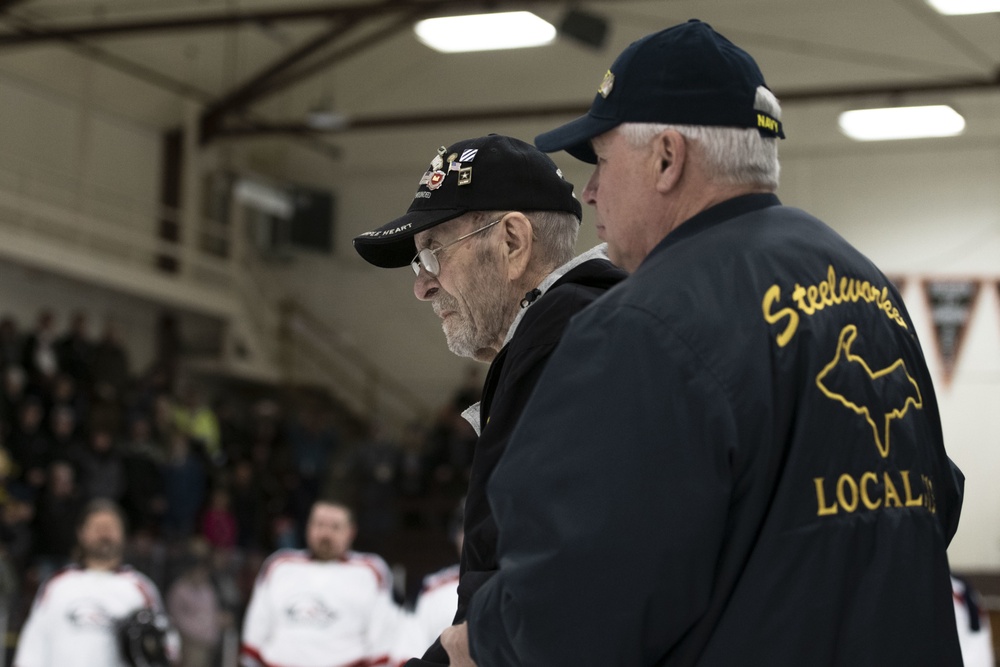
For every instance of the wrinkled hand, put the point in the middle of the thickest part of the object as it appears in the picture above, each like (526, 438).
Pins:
(455, 641)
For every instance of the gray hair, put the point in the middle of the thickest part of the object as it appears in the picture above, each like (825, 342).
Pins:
(554, 233)
(733, 156)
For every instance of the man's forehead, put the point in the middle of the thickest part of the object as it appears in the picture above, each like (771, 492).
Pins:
(604, 140)
(328, 513)
(102, 518)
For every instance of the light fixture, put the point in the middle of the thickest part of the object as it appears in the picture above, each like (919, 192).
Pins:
(485, 32)
(901, 123)
(325, 120)
(965, 6)
(323, 116)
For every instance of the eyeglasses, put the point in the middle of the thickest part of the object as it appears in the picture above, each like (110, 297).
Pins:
(427, 258)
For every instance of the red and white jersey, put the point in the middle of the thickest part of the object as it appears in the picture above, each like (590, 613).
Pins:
(975, 636)
(434, 611)
(73, 616)
(310, 613)
(438, 602)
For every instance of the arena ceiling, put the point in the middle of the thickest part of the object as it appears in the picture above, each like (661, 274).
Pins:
(256, 68)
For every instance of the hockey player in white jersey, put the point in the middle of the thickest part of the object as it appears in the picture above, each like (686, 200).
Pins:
(77, 613)
(326, 606)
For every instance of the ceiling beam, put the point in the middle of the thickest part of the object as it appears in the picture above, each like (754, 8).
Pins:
(204, 20)
(270, 81)
(410, 120)
(6, 5)
(245, 93)
(526, 112)
(338, 55)
(891, 90)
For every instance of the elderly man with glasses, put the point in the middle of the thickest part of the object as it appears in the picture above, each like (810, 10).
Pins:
(490, 236)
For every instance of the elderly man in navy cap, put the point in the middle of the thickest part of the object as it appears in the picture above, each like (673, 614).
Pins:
(490, 237)
(734, 458)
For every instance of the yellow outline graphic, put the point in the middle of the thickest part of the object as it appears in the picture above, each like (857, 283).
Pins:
(847, 337)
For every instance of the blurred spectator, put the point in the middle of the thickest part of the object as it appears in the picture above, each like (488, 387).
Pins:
(270, 472)
(233, 435)
(412, 475)
(144, 500)
(193, 604)
(66, 393)
(168, 348)
(194, 418)
(63, 429)
(148, 554)
(110, 367)
(29, 446)
(377, 464)
(218, 524)
(144, 397)
(284, 534)
(248, 506)
(101, 466)
(75, 351)
(10, 398)
(162, 409)
(58, 509)
(449, 447)
(16, 516)
(226, 568)
(38, 355)
(435, 606)
(184, 483)
(10, 343)
(10, 589)
(141, 441)
(312, 442)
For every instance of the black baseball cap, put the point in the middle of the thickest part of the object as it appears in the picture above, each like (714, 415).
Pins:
(491, 173)
(685, 75)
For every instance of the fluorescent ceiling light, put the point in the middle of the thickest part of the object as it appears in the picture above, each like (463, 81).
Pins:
(901, 123)
(965, 6)
(485, 32)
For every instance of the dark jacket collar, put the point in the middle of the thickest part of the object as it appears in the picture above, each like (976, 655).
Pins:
(710, 217)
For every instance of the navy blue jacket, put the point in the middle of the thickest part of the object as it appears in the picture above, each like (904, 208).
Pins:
(733, 458)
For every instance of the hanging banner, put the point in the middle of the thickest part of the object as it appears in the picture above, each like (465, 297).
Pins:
(950, 303)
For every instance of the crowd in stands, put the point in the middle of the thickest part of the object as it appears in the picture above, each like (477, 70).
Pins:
(210, 485)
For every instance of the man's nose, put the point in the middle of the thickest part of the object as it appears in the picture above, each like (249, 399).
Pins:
(425, 286)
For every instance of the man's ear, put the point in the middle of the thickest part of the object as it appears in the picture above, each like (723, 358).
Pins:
(518, 237)
(670, 154)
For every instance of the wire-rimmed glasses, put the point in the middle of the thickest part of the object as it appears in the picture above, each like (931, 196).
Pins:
(427, 258)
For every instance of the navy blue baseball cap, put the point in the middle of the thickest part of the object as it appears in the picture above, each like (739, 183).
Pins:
(491, 173)
(685, 75)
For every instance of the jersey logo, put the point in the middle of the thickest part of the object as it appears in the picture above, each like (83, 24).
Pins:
(306, 610)
(89, 614)
(878, 396)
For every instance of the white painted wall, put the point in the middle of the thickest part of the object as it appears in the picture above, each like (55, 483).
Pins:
(74, 155)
